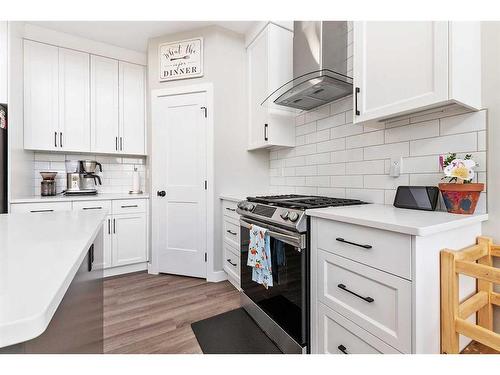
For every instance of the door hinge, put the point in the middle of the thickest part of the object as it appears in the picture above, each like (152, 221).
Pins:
(205, 110)
(205, 257)
(205, 184)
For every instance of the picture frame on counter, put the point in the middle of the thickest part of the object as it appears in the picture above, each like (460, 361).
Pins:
(181, 59)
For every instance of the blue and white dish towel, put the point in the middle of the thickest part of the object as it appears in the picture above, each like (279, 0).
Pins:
(259, 256)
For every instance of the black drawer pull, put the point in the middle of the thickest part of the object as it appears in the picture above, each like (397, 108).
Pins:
(231, 209)
(367, 299)
(92, 208)
(130, 206)
(34, 211)
(231, 263)
(340, 239)
(356, 110)
(231, 232)
(342, 348)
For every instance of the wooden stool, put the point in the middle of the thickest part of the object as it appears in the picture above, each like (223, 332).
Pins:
(454, 313)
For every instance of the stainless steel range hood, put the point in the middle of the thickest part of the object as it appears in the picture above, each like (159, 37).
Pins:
(319, 66)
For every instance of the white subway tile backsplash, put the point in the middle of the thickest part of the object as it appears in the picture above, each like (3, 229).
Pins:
(331, 169)
(341, 105)
(355, 154)
(365, 167)
(305, 150)
(331, 192)
(305, 129)
(366, 139)
(318, 181)
(318, 113)
(385, 181)
(310, 170)
(367, 195)
(463, 123)
(481, 141)
(420, 164)
(345, 130)
(295, 162)
(415, 131)
(346, 181)
(391, 151)
(442, 145)
(295, 181)
(426, 179)
(318, 159)
(330, 122)
(332, 145)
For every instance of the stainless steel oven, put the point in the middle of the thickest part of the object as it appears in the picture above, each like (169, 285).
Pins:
(282, 311)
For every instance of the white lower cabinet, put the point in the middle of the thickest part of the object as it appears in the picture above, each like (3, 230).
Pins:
(231, 242)
(129, 239)
(125, 228)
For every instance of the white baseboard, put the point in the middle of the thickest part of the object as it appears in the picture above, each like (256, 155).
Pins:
(125, 269)
(152, 270)
(216, 276)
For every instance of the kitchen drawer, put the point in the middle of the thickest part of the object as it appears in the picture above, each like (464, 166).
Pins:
(40, 207)
(229, 209)
(231, 228)
(231, 261)
(376, 301)
(390, 251)
(92, 205)
(129, 206)
(338, 335)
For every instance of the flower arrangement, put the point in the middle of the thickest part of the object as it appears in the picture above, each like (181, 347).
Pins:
(460, 194)
(460, 171)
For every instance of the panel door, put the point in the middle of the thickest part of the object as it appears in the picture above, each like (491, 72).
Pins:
(132, 108)
(106, 260)
(74, 100)
(258, 88)
(399, 66)
(129, 239)
(180, 218)
(104, 104)
(41, 103)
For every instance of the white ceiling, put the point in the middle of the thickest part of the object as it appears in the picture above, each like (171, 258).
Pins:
(135, 34)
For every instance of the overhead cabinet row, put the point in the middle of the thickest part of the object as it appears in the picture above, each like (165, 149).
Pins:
(78, 102)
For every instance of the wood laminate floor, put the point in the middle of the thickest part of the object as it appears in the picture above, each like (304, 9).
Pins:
(153, 313)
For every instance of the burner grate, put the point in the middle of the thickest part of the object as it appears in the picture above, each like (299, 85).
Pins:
(303, 201)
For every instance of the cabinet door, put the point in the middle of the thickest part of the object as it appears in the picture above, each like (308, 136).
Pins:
(103, 104)
(258, 89)
(74, 100)
(399, 67)
(41, 107)
(132, 113)
(129, 239)
(3, 62)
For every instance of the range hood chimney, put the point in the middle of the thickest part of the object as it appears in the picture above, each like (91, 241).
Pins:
(319, 66)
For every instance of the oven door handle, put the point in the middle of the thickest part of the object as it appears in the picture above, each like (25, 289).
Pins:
(297, 241)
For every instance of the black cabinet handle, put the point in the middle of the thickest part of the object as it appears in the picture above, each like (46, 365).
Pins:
(367, 299)
(114, 226)
(231, 263)
(356, 110)
(342, 348)
(121, 144)
(42, 211)
(231, 209)
(55, 139)
(60, 139)
(130, 206)
(92, 208)
(91, 258)
(109, 226)
(265, 132)
(161, 193)
(340, 239)
(116, 143)
(231, 232)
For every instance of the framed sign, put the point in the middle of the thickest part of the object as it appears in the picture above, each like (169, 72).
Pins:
(180, 60)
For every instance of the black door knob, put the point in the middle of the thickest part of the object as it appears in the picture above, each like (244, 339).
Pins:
(161, 193)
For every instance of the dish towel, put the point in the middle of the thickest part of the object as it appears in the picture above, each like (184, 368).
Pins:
(259, 256)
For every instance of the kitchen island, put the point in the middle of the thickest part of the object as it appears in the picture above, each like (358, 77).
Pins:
(50, 292)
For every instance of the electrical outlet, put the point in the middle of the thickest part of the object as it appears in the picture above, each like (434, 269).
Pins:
(396, 165)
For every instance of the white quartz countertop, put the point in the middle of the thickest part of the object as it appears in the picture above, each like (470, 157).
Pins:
(414, 222)
(39, 257)
(63, 198)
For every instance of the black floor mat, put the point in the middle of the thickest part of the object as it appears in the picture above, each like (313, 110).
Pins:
(233, 332)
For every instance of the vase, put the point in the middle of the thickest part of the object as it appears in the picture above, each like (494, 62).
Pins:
(461, 198)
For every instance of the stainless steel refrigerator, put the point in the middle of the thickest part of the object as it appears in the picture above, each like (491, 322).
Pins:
(3, 159)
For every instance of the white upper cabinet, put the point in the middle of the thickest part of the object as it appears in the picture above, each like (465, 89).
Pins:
(74, 100)
(104, 104)
(41, 96)
(270, 65)
(404, 67)
(3, 61)
(132, 108)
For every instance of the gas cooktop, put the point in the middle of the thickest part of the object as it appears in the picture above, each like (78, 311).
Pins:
(288, 210)
(303, 201)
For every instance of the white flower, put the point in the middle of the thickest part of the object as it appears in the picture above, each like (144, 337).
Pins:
(461, 169)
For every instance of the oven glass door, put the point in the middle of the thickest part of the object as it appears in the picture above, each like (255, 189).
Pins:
(286, 301)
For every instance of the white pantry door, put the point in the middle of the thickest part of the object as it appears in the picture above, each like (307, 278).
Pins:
(180, 170)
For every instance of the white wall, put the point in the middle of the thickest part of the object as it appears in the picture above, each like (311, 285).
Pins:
(491, 100)
(237, 171)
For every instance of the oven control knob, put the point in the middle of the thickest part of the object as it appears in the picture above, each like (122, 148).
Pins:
(241, 205)
(293, 216)
(249, 207)
(284, 215)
